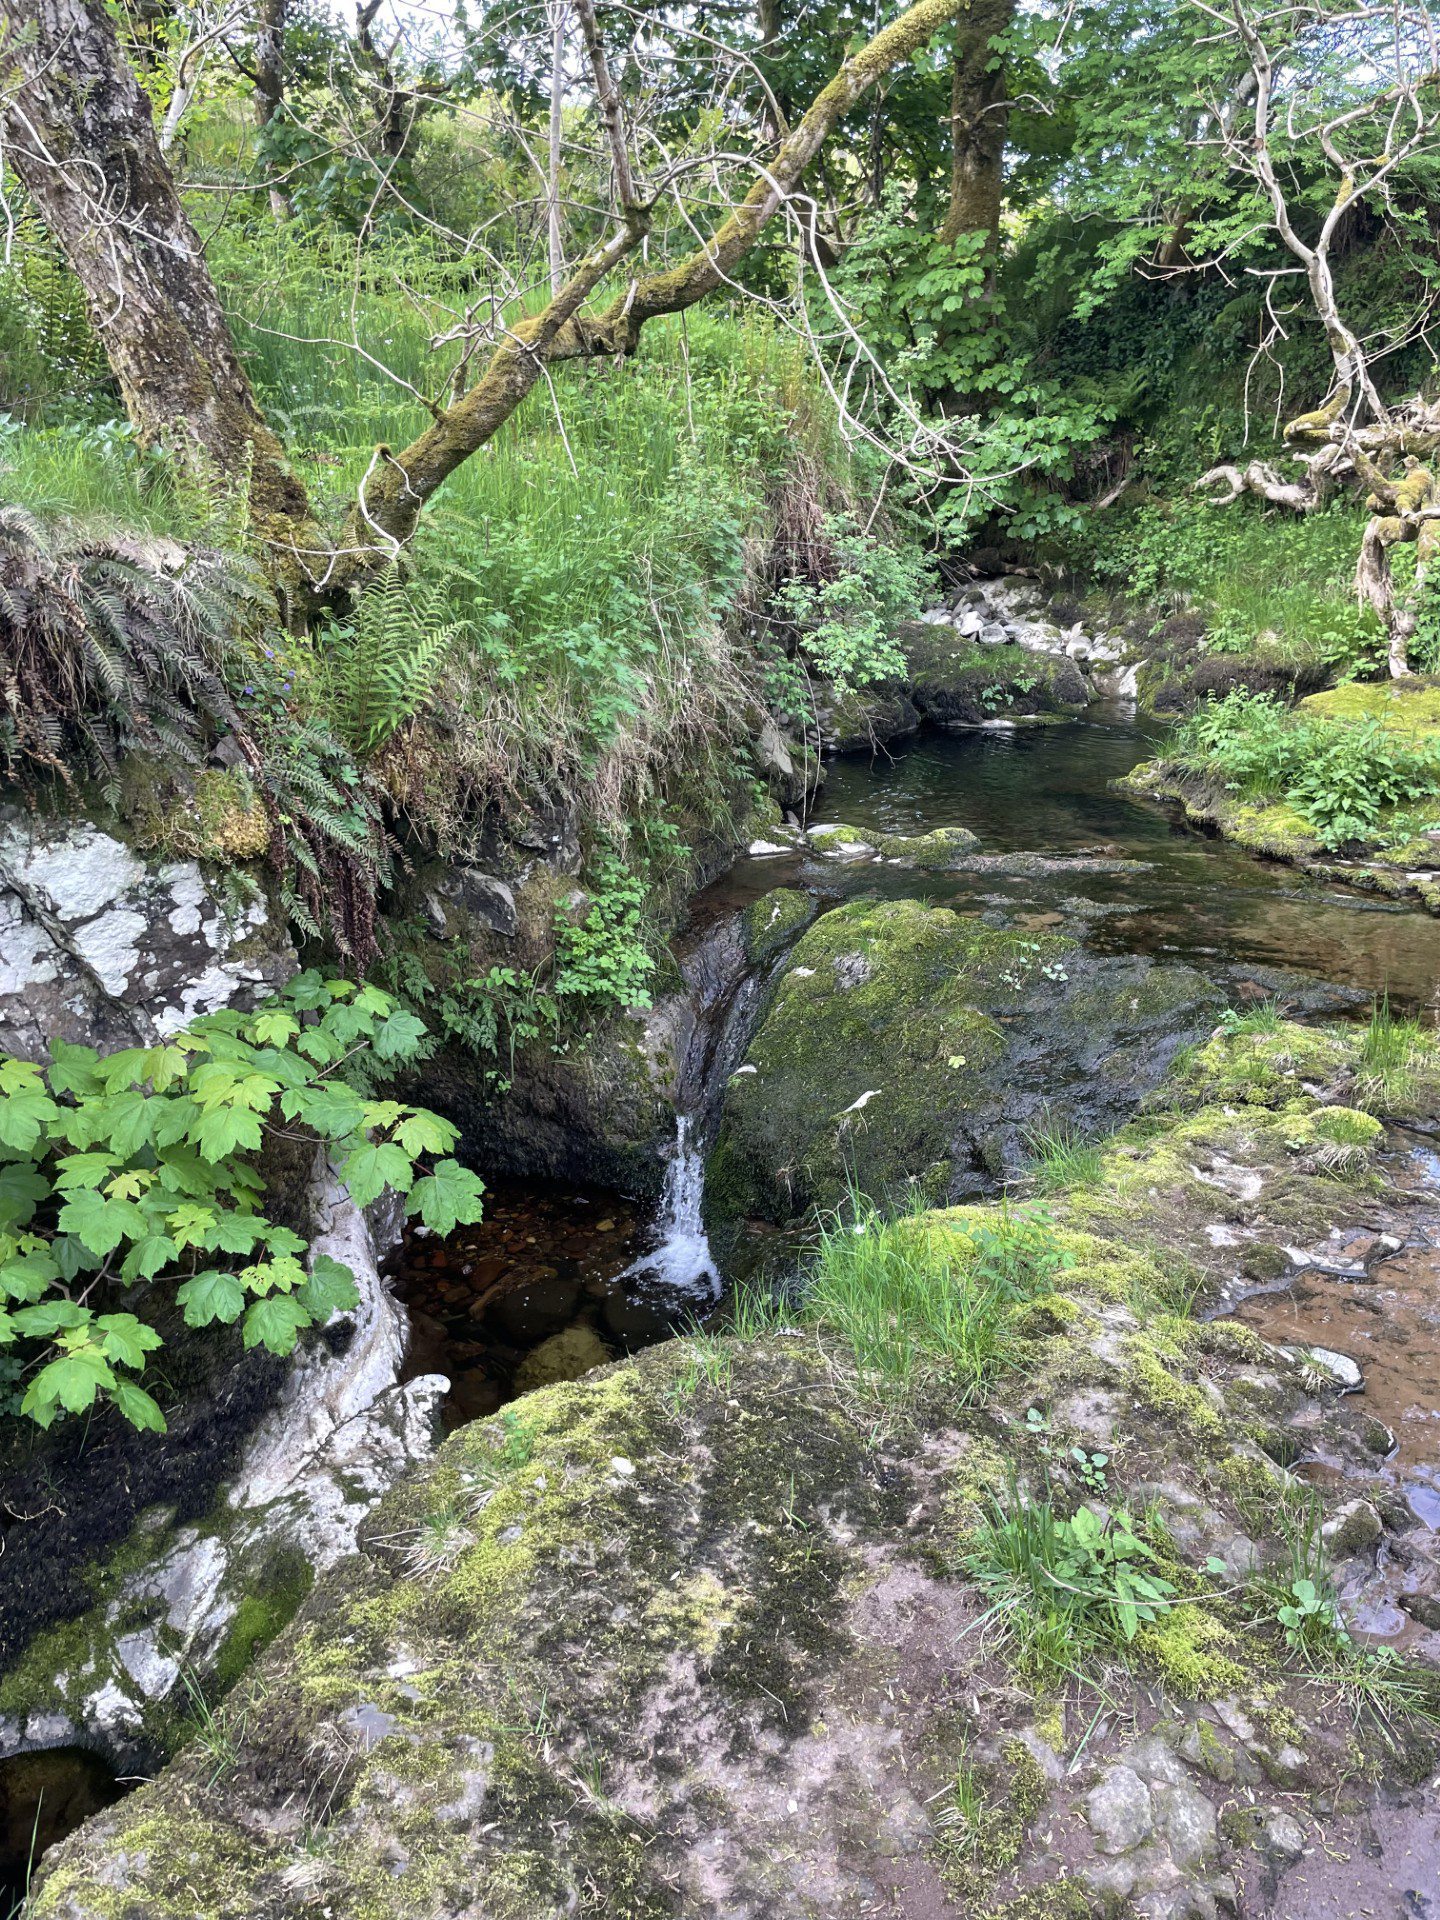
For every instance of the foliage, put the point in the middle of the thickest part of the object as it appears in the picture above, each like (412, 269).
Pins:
(381, 663)
(132, 1187)
(845, 623)
(1349, 780)
(604, 959)
(916, 1295)
(113, 640)
(1063, 1586)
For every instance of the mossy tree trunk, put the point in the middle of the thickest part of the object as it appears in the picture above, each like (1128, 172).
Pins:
(979, 122)
(80, 134)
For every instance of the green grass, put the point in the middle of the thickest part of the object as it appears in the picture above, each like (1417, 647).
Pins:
(917, 1296)
(1389, 1051)
(1061, 1160)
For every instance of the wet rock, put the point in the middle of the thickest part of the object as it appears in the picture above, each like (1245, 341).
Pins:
(1351, 1529)
(564, 1356)
(894, 1056)
(857, 720)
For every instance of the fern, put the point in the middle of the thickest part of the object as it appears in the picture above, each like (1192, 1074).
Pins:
(383, 663)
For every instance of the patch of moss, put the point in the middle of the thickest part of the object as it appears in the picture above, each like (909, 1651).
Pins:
(1409, 706)
(771, 922)
(1192, 1652)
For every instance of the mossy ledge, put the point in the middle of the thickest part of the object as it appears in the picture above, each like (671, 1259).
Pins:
(701, 1634)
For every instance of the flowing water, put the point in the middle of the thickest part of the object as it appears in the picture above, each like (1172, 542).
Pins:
(1058, 847)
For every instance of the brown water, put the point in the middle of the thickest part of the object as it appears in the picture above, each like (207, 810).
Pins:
(44, 1796)
(537, 1291)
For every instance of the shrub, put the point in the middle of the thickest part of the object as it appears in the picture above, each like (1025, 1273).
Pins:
(131, 1186)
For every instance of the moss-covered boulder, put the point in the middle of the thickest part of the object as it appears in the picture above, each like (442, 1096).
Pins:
(938, 851)
(956, 682)
(731, 1630)
(857, 720)
(907, 1048)
(1401, 706)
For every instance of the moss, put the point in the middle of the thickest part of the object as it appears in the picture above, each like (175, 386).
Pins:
(871, 1045)
(1192, 1652)
(1402, 706)
(272, 1604)
(1157, 1386)
(1260, 1068)
(770, 923)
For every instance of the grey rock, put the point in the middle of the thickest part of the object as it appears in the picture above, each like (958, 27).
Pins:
(1281, 1835)
(1120, 1811)
(1187, 1820)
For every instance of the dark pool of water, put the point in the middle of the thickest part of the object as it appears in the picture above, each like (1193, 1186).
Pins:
(536, 1291)
(44, 1796)
(1047, 790)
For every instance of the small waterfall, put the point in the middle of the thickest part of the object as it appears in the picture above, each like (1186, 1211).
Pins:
(681, 1263)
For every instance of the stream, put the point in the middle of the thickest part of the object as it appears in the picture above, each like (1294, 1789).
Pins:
(557, 1280)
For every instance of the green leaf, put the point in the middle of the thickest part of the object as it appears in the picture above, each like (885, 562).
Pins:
(49, 1317)
(425, 1132)
(211, 1296)
(22, 1187)
(330, 1289)
(29, 1276)
(137, 1406)
(73, 1069)
(334, 1111)
(125, 1339)
(275, 1322)
(399, 1036)
(369, 1168)
(99, 1223)
(222, 1130)
(275, 1028)
(148, 1257)
(449, 1197)
(26, 1110)
(72, 1379)
(234, 1233)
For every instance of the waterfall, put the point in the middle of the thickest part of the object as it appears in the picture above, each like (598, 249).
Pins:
(681, 1262)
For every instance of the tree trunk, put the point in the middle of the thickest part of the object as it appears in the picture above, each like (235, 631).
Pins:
(554, 236)
(979, 122)
(270, 79)
(79, 133)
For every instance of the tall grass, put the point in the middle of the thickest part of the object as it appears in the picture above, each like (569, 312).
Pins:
(923, 1294)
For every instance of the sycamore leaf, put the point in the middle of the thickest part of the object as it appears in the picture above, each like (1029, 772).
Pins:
(369, 1168)
(72, 1379)
(274, 1028)
(83, 1169)
(99, 1223)
(22, 1187)
(49, 1317)
(398, 1037)
(330, 1289)
(274, 1322)
(190, 1222)
(148, 1257)
(26, 1109)
(333, 1111)
(424, 1132)
(72, 1068)
(211, 1296)
(449, 1197)
(29, 1276)
(222, 1130)
(126, 1339)
(233, 1233)
(137, 1406)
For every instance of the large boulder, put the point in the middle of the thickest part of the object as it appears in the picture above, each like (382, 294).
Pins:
(960, 682)
(908, 1048)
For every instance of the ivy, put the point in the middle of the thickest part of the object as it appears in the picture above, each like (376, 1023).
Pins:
(131, 1186)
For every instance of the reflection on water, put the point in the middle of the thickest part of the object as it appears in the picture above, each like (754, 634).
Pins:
(44, 1796)
(1046, 790)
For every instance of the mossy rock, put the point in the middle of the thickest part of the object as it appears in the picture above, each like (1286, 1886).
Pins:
(956, 683)
(1401, 706)
(908, 1049)
(773, 921)
(938, 851)
(856, 720)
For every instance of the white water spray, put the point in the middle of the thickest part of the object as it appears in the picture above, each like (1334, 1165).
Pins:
(682, 1262)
